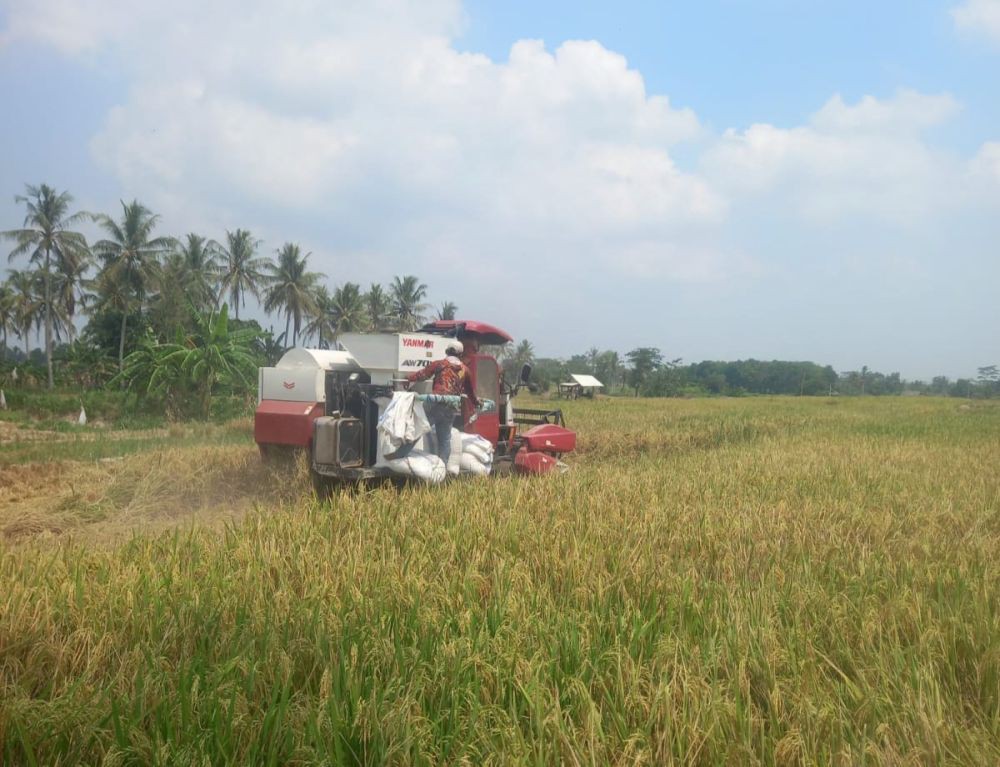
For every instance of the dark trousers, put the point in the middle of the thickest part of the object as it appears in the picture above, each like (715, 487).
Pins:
(442, 420)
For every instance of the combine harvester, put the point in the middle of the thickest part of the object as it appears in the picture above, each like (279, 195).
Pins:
(330, 402)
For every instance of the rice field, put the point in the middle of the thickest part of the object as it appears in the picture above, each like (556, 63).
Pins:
(715, 582)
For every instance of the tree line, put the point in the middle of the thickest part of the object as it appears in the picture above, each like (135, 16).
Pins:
(138, 286)
(645, 371)
(157, 316)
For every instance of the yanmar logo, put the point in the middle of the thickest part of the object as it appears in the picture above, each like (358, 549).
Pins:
(288, 384)
(419, 343)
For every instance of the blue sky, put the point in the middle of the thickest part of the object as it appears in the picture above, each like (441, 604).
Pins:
(777, 179)
(738, 62)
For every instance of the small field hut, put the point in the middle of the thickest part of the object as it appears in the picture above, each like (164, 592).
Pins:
(580, 385)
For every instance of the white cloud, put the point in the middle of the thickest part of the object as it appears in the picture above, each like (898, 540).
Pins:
(984, 178)
(987, 162)
(908, 112)
(367, 112)
(70, 26)
(865, 160)
(138, 27)
(389, 125)
(178, 135)
(980, 17)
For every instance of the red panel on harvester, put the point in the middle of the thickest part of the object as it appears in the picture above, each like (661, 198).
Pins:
(550, 438)
(285, 423)
(528, 462)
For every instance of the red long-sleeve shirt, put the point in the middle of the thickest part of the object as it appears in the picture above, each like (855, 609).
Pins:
(451, 376)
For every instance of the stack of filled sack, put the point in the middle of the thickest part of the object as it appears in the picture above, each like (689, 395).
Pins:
(402, 425)
(470, 454)
(406, 444)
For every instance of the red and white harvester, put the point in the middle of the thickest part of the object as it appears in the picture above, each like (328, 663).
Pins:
(329, 402)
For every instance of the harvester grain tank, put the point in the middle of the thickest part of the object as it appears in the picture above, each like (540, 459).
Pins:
(329, 402)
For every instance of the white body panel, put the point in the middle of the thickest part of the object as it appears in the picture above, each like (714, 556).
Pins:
(385, 356)
(300, 375)
(322, 359)
(292, 385)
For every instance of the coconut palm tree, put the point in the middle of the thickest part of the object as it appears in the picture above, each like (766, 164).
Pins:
(47, 240)
(292, 288)
(62, 323)
(7, 316)
(242, 271)
(68, 295)
(27, 302)
(199, 268)
(185, 284)
(110, 296)
(377, 304)
(447, 311)
(321, 322)
(129, 260)
(348, 313)
(525, 353)
(408, 306)
(170, 304)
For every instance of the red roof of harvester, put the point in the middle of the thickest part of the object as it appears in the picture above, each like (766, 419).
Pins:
(488, 334)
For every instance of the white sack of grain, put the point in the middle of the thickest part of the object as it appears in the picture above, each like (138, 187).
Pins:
(469, 465)
(478, 447)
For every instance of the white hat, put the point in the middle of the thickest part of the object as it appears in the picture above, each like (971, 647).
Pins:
(454, 346)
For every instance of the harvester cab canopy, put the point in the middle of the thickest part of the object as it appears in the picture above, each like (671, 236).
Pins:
(483, 333)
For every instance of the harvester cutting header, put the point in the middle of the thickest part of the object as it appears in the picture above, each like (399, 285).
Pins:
(350, 409)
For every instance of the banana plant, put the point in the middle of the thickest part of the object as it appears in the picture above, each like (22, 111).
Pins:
(197, 363)
(213, 356)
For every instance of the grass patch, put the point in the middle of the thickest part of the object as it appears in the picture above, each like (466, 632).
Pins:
(82, 443)
(753, 581)
(113, 409)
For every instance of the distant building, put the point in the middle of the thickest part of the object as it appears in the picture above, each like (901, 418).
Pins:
(581, 386)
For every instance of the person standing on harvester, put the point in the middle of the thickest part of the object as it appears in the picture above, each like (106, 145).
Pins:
(451, 378)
